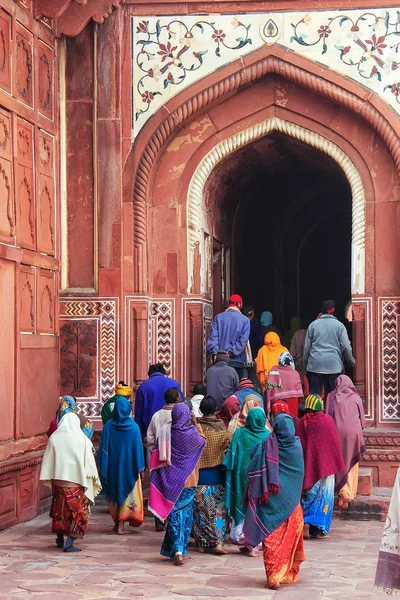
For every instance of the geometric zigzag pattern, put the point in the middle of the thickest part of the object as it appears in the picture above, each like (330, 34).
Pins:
(207, 322)
(161, 318)
(105, 312)
(390, 359)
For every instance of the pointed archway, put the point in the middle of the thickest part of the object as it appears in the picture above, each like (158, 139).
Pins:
(214, 89)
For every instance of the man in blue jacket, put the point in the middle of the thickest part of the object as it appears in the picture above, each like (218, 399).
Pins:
(230, 331)
(150, 396)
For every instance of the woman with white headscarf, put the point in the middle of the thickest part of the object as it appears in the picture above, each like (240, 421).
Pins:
(69, 469)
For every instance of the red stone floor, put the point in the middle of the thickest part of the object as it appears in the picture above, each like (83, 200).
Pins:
(110, 566)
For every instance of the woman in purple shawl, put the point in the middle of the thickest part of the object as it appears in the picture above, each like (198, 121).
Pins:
(345, 407)
(173, 482)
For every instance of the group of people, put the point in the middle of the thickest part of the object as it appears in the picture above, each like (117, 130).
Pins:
(255, 461)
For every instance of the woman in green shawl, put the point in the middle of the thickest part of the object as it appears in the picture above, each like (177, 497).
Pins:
(236, 462)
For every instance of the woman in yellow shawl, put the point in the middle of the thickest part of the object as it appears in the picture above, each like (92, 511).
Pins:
(267, 357)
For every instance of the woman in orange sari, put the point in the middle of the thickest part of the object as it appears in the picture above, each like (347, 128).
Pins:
(272, 498)
(267, 357)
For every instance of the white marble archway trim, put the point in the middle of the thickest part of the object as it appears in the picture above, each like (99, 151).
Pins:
(197, 226)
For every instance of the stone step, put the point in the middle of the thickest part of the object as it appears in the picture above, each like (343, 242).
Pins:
(365, 481)
(367, 508)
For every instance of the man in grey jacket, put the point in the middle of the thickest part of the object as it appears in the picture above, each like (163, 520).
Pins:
(326, 348)
(221, 379)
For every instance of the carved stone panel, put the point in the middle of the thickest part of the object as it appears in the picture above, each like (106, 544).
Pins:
(23, 65)
(45, 217)
(45, 79)
(27, 290)
(104, 311)
(5, 51)
(78, 357)
(7, 208)
(45, 154)
(24, 186)
(46, 302)
(363, 349)
(45, 193)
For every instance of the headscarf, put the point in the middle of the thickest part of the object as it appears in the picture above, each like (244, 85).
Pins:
(286, 360)
(121, 453)
(69, 457)
(239, 420)
(229, 408)
(280, 406)
(275, 480)
(266, 318)
(314, 402)
(121, 389)
(237, 459)
(67, 405)
(168, 481)
(246, 388)
(268, 356)
(217, 439)
(295, 324)
(345, 406)
(283, 381)
(321, 445)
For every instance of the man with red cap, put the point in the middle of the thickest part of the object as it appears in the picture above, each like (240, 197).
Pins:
(230, 331)
(326, 348)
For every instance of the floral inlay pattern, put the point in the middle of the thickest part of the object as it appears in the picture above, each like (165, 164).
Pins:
(370, 41)
(172, 53)
(168, 52)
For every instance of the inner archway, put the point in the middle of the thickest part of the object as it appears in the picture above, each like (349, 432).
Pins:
(289, 206)
(284, 211)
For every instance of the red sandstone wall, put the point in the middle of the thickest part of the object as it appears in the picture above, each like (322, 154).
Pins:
(29, 255)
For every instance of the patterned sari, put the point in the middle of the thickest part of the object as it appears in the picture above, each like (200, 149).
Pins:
(283, 550)
(317, 504)
(69, 511)
(132, 509)
(209, 513)
(179, 525)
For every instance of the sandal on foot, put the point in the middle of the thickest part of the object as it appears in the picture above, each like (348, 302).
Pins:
(60, 540)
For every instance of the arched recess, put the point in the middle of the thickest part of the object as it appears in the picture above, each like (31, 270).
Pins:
(165, 124)
(195, 209)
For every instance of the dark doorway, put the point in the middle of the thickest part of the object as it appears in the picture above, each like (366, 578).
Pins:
(284, 209)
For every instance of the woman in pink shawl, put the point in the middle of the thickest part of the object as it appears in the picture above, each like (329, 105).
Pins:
(284, 383)
(345, 407)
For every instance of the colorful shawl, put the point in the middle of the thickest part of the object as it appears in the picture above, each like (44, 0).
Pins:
(67, 405)
(69, 457)
(283, 382)
(275, 481)
(268, 356)
(246, 388)
(237, 459)
(345, 407)
(321, 447)
(228, 410)
(168, 481)
(239, 420)
(387, 576)
(217, 439)
(121, 453)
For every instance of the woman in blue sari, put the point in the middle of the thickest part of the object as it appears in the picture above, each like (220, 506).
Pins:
(121, 462)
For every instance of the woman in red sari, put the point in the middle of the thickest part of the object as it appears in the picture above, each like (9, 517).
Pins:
(272, 498)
